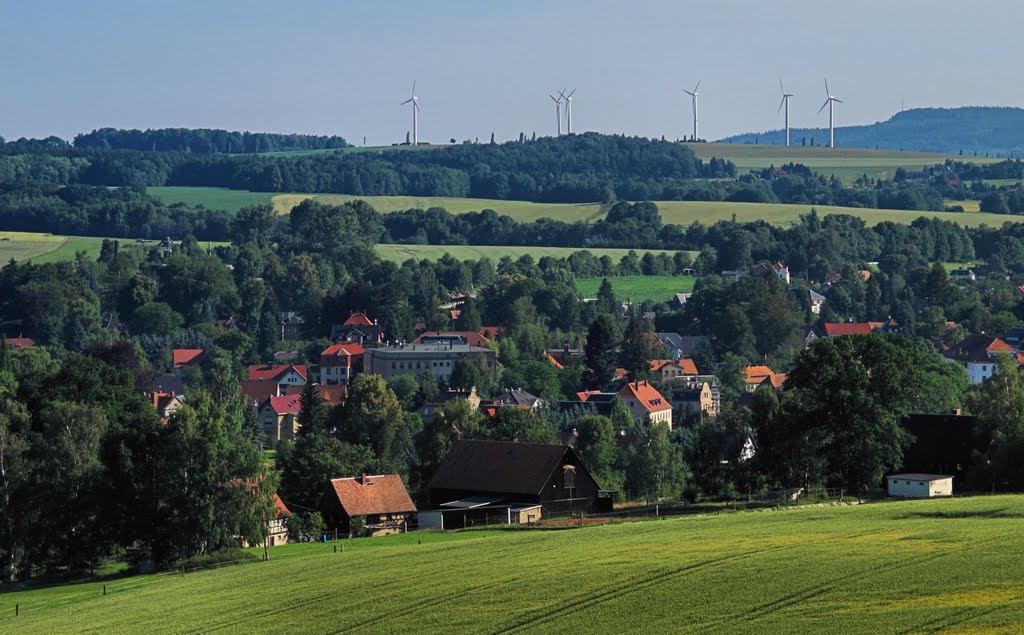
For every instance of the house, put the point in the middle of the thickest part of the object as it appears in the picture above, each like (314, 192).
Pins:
(427, 410)
(380, 502)
(674, 370)
(164, 383)
(810, 334)
(439, 359)
(186, 357)
(340, 362)
(283, 374)
(733, 276)
(331, 395)
(919, 485)
(590, 401)
(292, 326)
(644, 400)
(757, 376)
(473, 338)
(165, 403)
(837, 329)
(280, 417)
(681, 345)
(20, 343)
(516, 398)
(967, 275)
(694, 399)
(809, 299)
(679, 300)
(359, 329)
(259, 390)
(514, 475)
(565, 356)
(978, 354)
(277, 524)
(782, 271)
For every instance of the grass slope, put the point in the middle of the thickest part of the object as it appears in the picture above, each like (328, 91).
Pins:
(210, 197)
(401, 253)
(881, 568)
(845, 163)
(523, 211)
(42, 248)
(639, 288)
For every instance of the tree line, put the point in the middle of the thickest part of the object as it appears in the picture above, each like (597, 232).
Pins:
(204, 141)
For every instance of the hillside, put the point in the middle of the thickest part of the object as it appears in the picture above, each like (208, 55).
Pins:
(875, 568)
(982, 129)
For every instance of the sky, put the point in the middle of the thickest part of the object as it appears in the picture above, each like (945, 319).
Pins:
(344, 67)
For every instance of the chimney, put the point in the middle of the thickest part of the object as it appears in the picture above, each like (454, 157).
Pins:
(362, 478)
(956, 412)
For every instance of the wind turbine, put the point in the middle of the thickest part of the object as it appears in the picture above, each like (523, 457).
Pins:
(415, 114)
(568, 109)
(694, 95)
(558, 111)
(830, 101)
(785, 102)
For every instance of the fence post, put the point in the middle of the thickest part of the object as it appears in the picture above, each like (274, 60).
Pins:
(17, 610)
(335, 548)
(104, 589)
(656, 511)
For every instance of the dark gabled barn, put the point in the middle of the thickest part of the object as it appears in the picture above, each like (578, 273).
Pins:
(552, 476)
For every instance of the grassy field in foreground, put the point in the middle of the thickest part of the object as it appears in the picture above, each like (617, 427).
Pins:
(401, 253)
(639, 288)
(894, 567)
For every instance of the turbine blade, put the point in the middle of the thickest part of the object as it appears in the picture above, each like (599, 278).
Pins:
(780, 105)
(697, 86)
(406, 101)
(561, 93)
(572, 93)
(827, 101)
(838, 101)
(414, 87)
(688, 92)
(781, 87)
(827, 91)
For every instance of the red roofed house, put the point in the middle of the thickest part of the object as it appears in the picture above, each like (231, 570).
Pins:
(672, 370)
(165, 403)
(380, 503)
(978, 354)
(280, 416)
(185, 357)
(358, 328)
(332, 395)
(18, 343)
(644, 400)
(277, 527)
(284, 374)
(339, 363)
(835, 329)
(757, 376)
(782, 271)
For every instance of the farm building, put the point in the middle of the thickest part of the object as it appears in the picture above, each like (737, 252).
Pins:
(381, 503)
(520, 475)
(920, 485)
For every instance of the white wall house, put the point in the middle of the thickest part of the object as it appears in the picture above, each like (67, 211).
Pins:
(920, 485)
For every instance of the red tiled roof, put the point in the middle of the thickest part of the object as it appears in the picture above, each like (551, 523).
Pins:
(260, 390)
(582, 396)
(358, 319)
(332, 395)
(274, 371)
(997, 345)
(186, 356)
(835, 329)
(687, 365)
(18, 343)
(384, 494)
(757, 374)
(647, 395)
(285, 404)
(348, 349)
(490, 332)
(621, 373)
(280, 509)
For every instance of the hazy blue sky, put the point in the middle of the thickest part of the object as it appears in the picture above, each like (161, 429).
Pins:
(344, 67)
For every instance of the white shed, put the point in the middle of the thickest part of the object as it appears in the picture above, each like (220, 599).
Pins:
(920, 485)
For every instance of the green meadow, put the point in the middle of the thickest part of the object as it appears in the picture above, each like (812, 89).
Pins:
(943, 565)
(401, 253)
(41, 248)
(639, 288)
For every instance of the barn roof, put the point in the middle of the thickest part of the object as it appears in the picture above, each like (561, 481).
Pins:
(380, 494)
(501, 467)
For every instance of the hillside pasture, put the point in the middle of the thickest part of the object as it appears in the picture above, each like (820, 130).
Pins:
(639, 288)
(877, 568)
(42, 248)
(401, 253)
(523, 211)
(210, 197)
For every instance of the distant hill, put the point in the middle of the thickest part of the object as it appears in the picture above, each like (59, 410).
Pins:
(982, 129)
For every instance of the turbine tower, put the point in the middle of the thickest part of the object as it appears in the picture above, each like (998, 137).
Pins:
(830, 101)
(558, 111)
(415, 114)
(785, 102)
(568, 109)
(694, 95)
